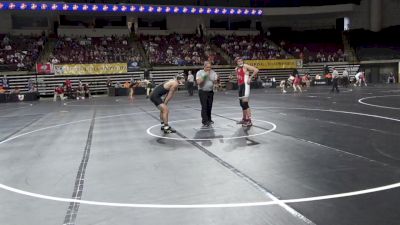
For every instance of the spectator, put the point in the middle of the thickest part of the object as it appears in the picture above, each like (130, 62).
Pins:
(16, 90)
(177, 50)
(94, 50)
(190, 83)
(250, 47)
(31, 86)
(59, 91)
(283, 85)
(149, 87)
(306, 79)
(20, 52)
(132, 88)
(127, 84)
(391, 79)
(20, 66)
(80, 91)
(345, 78)
(4, 82)
(109, 82)
(87, 90)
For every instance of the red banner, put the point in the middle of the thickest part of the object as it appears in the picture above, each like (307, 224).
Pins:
(44, 68)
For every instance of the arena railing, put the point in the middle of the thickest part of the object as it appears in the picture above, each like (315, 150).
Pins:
(97, 83)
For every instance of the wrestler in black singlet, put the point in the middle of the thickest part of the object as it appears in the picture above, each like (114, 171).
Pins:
(157, 93)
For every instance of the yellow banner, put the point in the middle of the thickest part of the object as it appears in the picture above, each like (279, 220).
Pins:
(276, 64)
(87, 69)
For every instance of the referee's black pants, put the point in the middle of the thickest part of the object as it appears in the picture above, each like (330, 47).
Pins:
(206, 101)
(335, 85)
(190, 87)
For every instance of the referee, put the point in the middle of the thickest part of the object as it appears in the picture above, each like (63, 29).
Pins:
(335, 79)
(206, 78)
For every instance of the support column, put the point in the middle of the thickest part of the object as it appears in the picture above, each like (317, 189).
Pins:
(6, 22)
(398, 73)
(376, 15)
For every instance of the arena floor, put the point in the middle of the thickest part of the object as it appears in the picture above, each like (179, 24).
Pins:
(311, 158)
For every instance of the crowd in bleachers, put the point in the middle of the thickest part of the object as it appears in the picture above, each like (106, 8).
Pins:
(249, 47)
(312, 46)
(94, 50)
(316, 52)
(179, 50)
(20, 52)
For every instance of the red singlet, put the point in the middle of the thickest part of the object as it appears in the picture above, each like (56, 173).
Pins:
(240, 75)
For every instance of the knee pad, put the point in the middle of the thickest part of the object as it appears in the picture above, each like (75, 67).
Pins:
(244, 105)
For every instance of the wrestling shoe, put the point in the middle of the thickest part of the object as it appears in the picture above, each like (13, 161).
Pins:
(205, 125)
(247, 123)
(241, 122)
(169, 130)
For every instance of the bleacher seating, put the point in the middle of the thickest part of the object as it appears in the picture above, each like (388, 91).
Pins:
(94, 50)
(47, 83)
(97, 83)
(179, 50)
(312, 46)
(20, 52)
(249, 47)
(340, 67)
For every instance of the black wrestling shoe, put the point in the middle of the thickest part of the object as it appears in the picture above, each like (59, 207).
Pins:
(206, 125)
(247, 123)
(241, 121)
(169, 130)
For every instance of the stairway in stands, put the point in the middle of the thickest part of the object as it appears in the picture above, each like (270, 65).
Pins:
(348, 50)
(47, 51)
(135, 43)
(218, 50)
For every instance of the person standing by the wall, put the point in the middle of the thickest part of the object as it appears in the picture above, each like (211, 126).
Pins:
(5, 83)
(391, 79)
(149, 87)
(190, 83)
(205, 79)
(345, 78)
(132, 89)
(30, 86)
(146, 74)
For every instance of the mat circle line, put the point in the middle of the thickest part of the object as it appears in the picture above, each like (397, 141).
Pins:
(208, 139)
(124, 103)
(197, 206)
(361, 101)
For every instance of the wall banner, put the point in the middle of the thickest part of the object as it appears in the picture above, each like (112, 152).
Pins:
(276, 64)
(89, 69)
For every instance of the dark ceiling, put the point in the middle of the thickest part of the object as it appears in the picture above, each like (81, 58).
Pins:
(231, 3)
